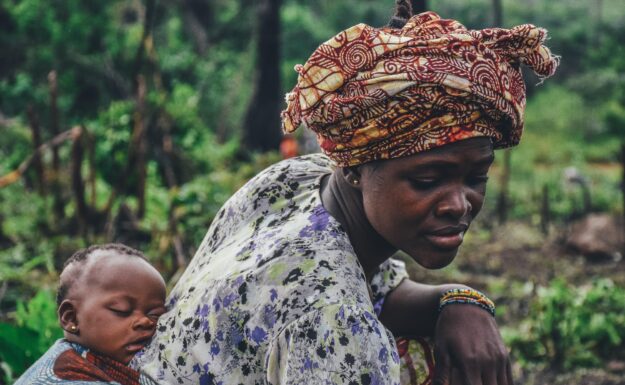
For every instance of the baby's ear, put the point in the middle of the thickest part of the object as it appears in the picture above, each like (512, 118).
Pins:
(67, 316)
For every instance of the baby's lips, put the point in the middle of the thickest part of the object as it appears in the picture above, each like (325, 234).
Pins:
(134, 348)
(137, 345)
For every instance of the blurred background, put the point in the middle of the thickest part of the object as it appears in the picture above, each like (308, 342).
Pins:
(133, 121)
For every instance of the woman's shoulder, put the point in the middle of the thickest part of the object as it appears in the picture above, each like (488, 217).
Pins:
(303, 169)
(311, 163)
(273, 197)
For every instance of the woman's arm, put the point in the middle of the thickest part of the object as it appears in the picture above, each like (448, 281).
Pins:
(466, 337)
(411, 309)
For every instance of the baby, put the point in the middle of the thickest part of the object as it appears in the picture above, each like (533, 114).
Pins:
(109, 301)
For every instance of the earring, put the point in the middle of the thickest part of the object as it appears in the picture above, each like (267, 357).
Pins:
(355, 181)
(73, 328)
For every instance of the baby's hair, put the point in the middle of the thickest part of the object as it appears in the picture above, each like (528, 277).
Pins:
(403, 12)
(80, 257)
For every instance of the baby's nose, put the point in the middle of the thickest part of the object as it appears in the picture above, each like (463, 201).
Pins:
(144, 322)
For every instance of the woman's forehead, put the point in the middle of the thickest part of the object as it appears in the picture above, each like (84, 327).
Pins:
(475, 151)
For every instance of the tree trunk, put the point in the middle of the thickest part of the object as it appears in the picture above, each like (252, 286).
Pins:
(136, 163)
(78, 185)
(146, 38)
(138, 145)
(37, 163)
(58, 205)
(198, 20)
(5, 241)
(136, 160)
(545, 211)
(503, 201)
(623, 192)
(419, 6)
(90, 139)
(54, 116)
(261, 129)
(497, 13)
(165, 152)
(167, 161)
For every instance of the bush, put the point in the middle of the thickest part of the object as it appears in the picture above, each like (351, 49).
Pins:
(571, 326)
(35, 330)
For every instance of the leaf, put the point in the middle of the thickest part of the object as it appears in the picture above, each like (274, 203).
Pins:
(19, 347)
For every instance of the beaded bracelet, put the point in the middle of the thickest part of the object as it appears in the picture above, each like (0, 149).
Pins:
(468, 296)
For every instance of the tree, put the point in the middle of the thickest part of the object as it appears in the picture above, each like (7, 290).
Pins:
(419, 6)
(502, 199)
(261, 129)
(497, 13)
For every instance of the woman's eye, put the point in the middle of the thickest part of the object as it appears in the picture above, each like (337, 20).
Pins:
(478, 179)
(423, 183)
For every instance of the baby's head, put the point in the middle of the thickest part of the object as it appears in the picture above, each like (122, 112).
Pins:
(109, 300)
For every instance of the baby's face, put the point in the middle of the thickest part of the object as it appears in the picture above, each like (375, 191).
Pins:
(117, 305)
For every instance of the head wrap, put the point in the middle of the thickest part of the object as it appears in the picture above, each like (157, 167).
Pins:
(380, 93)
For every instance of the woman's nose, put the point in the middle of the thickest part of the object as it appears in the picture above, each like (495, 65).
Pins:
(455, 203)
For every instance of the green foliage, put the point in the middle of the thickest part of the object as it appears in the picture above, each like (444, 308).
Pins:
(559, 134)
(39, 314)
(198, 201)
(35, 330)
(15, 146)
(112, 132)
(20, 220)
(16, 262)
(571, 326)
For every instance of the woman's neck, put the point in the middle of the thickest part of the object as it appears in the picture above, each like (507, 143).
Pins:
(344, 203)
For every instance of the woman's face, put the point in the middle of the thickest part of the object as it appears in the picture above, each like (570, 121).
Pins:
(424, 203)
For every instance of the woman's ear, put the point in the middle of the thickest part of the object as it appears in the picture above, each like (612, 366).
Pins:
(67, 316)
(352, 176)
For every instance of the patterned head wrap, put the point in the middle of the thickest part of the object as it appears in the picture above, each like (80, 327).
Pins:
(380, 93)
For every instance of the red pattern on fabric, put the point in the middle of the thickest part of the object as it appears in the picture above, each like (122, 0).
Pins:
(426, 353)
(429, 359)
(72, 366)
(378, 93)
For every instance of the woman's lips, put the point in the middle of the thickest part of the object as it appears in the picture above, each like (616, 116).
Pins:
(446, 241)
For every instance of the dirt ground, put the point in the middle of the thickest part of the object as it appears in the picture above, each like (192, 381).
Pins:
(515, 257)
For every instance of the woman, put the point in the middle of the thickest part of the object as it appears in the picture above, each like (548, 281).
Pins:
(293, 282)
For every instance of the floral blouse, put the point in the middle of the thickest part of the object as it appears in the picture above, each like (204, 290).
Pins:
(275, 295)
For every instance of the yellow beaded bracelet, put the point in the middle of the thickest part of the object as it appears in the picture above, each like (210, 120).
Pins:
(468, 296)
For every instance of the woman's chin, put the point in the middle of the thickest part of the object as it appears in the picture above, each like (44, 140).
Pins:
(434, 260)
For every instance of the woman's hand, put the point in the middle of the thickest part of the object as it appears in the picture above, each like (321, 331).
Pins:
(469, 346)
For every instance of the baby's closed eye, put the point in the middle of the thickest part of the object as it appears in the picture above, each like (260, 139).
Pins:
(121, 312)
(156, 314)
